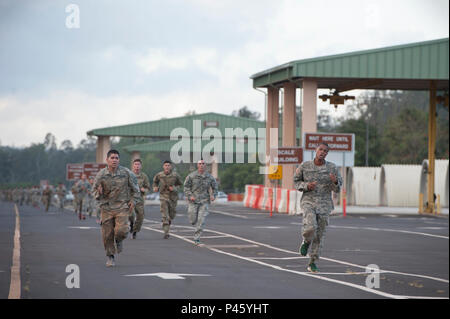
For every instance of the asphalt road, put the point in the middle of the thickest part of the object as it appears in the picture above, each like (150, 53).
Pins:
(246, 255)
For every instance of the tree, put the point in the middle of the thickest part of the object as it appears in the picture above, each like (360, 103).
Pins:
(50, 142)
(405, 138)
(245, 112)
(66, 146)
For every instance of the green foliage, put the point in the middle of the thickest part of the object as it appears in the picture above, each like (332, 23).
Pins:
(234, 177)
(398, 127)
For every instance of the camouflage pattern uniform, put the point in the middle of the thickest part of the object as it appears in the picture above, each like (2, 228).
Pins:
(168, 199)
(36, 196)
(61, 192)
(317, 204)
(81, 189)
(119, 188)
(137, 216)
(199, 186)
(16, 196)
(47, 194)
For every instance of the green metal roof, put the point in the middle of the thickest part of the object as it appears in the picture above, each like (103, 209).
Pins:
(166, 146)
(402, 67)
(163, 127)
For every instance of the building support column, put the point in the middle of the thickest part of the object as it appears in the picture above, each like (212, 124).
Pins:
(430, 207)
(289, 131)
(309, 107)
(272, 121)
(103, 146)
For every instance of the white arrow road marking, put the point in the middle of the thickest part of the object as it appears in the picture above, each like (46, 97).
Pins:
(166, 275)
(269, 227)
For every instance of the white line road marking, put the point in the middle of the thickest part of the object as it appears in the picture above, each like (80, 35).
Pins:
(14, 289)
(231, 246)
(280, 258)
(390, 230)
(165, 275)
(431, 227)
(227, 214)
(308, 274)
(83, 227)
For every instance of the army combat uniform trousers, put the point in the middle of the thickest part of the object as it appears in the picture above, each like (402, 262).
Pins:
(137, 217)
(114, 228)
(314, 228)
(197, 213)
(168, 212)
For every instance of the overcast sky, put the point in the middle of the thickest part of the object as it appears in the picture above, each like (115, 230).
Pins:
(140, 60)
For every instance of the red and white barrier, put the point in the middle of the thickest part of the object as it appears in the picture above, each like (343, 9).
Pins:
(268, 199)
(272, 199)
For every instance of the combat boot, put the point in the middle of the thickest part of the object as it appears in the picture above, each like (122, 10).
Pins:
(134, 235)
(312, 267)
(304, 248)
(110, 262)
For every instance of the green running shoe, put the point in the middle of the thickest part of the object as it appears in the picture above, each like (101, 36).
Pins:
(304, 248)
(312, 267)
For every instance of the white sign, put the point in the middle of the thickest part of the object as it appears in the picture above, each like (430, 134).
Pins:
(344, 158)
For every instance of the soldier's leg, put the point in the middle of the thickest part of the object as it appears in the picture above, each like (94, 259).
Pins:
(139, 211)
(47, 204)
(309, 224)
(164, 207)
(108, 225)
(132, 219)
(317, 243)
(202, 213)
(173, 210)
(121, 227)
(193, 213)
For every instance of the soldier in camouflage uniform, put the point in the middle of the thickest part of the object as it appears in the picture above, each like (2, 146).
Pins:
(137, 216)
(61, 193)
(117, 191)
(36, 196)
(167, 183)
(81, 189)
(316, 179)
(197, 188)
(47, 194)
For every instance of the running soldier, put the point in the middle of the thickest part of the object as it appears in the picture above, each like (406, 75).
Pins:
(117, 190)
(197, 188)
(81, 189)
(137, 216)
(316, 179)
(47, 194)
(61, 193)
(167, 183)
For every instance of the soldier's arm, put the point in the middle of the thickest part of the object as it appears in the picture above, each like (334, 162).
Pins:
(188, 187)
(214, 187)
(299, 181)
(178, 182)
(156, 182)
(97, 190)
(133, 186)
(336, 187)
(145, 184)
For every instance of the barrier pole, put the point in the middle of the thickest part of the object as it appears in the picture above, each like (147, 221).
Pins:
(344, 203)
(420, 203)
